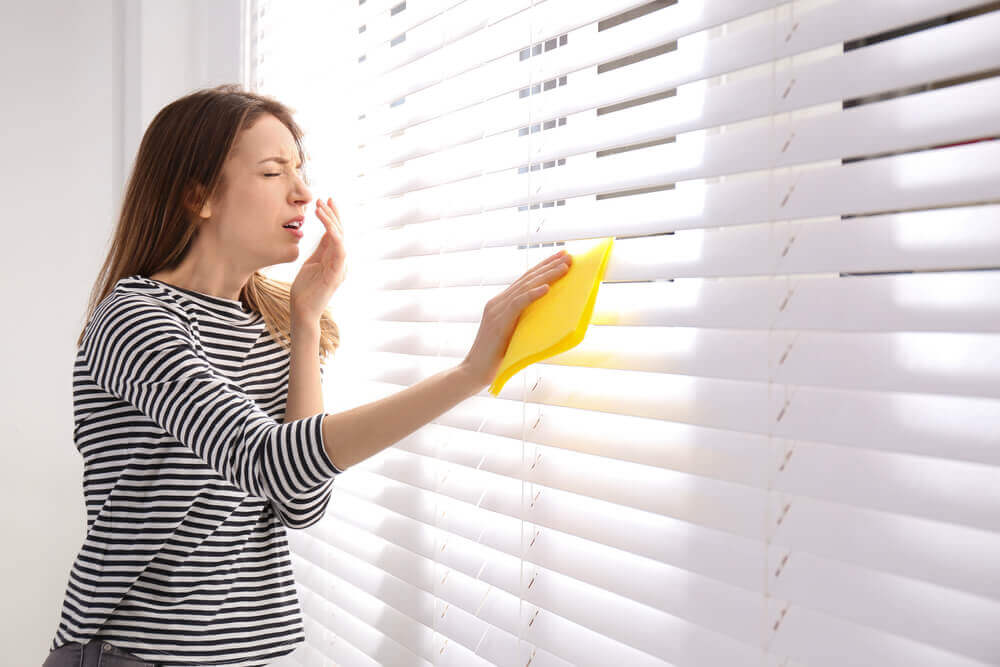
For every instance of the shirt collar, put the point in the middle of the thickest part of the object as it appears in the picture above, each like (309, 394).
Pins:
(228, 310)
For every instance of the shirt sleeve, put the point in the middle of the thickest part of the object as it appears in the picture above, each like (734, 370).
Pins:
(138, 351)
(307, 510)
(310, 508)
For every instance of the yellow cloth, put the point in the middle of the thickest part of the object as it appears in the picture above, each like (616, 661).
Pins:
(558, 320)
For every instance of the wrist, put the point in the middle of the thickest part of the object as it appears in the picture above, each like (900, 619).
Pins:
(305, 326)
(471, 380)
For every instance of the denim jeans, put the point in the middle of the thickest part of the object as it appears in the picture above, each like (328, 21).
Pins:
(96, 653)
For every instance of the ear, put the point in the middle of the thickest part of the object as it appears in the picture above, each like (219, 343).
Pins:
(194, 192)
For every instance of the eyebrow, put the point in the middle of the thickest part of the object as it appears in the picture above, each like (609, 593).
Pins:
(278, 159)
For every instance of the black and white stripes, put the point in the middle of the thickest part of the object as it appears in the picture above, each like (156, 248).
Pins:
(189, 480)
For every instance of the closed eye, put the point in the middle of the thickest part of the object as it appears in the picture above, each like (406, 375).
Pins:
(299, 170)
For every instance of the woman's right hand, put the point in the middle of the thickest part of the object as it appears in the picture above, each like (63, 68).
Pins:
(502, 312)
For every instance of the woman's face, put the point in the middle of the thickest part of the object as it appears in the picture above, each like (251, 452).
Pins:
(261, 194)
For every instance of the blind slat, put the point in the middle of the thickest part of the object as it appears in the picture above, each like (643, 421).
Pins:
(476, 55)
(410, 618)
(877, 420)
(964, 364)
(347, 619)
(943, 239)
(908, 302)
(721, 549)
(505, 619)
(958, 175)
(934, 118)
(876, 599)
(381, 25)
(335, 648)
(826, 25)
(710, 504)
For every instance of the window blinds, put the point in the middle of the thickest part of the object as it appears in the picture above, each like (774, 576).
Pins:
(778, 442)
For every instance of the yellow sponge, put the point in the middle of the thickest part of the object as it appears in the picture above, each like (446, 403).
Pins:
(558, 320)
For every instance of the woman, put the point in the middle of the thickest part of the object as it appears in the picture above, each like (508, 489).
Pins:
(197, 395)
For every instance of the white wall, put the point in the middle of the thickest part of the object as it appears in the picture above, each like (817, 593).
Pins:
(81, 80)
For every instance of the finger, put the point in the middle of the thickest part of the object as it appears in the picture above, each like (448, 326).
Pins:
(546, 278)
(524, 298)
(328, 206)
(327, 229)
(551, 258)
(558, 259)
(336, 215)
(326, 218)
(335, 235)
(336, 210)
(330, 215)
(518, 296)
(561, 257)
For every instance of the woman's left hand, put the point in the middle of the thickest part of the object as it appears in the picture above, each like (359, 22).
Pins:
(324, 271)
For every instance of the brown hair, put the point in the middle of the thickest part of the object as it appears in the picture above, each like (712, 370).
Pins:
(177, 168)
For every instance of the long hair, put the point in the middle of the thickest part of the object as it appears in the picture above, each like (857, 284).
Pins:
(177, 168)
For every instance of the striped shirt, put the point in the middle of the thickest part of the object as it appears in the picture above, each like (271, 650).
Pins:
(190, 480)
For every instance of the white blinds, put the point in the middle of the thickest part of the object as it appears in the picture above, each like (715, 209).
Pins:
(778, 443)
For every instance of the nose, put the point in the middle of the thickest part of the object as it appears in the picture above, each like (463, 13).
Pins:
(301, 195)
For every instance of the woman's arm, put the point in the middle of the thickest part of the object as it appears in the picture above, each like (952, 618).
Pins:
(352, 436)
(138, 350)
(355, 435)
(305, 386)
